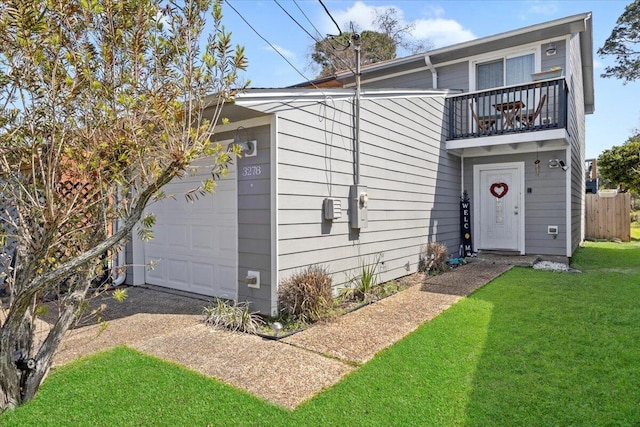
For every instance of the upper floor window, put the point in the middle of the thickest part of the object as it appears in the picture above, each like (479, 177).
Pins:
(505, 71)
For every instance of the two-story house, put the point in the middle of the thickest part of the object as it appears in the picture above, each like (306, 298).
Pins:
(338, 176)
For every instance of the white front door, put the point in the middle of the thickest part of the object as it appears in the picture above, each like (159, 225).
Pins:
(499, 206)
(195, 243)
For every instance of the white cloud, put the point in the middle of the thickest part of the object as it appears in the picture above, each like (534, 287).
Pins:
(597, 64)
(284, 52)
(434, 27)
(441, 32)
(544, 8)
(359, 13)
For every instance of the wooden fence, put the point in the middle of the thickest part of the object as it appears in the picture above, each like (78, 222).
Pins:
(608, 217)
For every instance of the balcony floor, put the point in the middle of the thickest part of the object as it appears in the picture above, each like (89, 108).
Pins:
(526, 142)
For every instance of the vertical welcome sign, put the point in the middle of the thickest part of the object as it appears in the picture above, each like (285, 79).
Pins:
(465, 225)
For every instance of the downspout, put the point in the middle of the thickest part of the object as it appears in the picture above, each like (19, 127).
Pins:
(461, 174)
(118, 277)
(434, 73)
(357, 112)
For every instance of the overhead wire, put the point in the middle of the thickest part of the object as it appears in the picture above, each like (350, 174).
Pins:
(308, 20)
(272, 46)
(338, 58)
(294, 20)
(327, 97)
(334, 21)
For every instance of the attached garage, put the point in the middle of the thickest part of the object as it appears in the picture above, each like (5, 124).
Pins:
(195, 244)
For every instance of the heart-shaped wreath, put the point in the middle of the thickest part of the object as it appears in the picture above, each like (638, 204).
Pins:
(499, 189)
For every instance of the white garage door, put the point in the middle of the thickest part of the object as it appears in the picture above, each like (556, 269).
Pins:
(195, 243)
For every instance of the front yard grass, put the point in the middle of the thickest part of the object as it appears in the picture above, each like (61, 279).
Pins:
(531, 348)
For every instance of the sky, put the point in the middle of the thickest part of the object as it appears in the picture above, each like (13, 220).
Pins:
(617, 110)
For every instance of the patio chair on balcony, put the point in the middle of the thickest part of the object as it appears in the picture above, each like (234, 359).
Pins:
(529, 119)
(484, 124)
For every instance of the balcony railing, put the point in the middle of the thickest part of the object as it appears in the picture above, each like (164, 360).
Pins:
(531, 107)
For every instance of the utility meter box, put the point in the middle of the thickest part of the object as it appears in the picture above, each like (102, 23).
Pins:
(358, 206)
(332, 209)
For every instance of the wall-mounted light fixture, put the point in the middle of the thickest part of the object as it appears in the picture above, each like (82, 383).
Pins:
(558, 163)
(248, 148)
(551, 50)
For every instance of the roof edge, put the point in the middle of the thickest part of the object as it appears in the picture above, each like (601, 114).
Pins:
(581, 17)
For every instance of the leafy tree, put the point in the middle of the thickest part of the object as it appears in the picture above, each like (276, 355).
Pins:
(334, 53)
(624, 44)
(620, 165)
(103, 103)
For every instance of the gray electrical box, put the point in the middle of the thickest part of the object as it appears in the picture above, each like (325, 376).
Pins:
(332, 209)
(358, 206)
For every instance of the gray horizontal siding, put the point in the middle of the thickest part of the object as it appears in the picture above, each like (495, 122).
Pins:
(413, 185)
(254, 219)
(414, 80)
(544, 206)
(557, 60)
(576, 129)
(454, 76)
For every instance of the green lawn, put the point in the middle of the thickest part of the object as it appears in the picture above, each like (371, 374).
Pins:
(530, 348)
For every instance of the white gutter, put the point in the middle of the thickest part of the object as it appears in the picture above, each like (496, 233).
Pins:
(434, 73)
(119, 273)
(118, 277)
(579, 18)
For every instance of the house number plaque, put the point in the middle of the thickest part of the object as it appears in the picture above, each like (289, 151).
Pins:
(251, 171)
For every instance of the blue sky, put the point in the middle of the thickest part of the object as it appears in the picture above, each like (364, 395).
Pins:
(443, 23)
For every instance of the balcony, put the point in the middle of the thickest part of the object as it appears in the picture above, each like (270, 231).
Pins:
(526, 113)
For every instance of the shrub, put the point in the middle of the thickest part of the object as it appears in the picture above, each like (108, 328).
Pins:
(231, 315)
(364, 285)
(306, 295)
(433, 258)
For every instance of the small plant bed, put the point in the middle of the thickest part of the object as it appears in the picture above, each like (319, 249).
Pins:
(308, 296)
(237, 317)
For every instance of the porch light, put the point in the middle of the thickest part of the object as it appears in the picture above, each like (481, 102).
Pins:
(551, 50)
(248, 148)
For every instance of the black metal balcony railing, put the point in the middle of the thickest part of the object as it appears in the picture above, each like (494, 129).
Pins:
(525, 108)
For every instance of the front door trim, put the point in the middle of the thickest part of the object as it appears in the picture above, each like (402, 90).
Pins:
(476, 202)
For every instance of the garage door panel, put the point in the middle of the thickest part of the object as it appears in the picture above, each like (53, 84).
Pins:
(202, 238)
(177, 235)
(225, 206)
(226, 242)
(159, 270)
(178, 271)
(228, 282)
(195, 243)
(203, 274)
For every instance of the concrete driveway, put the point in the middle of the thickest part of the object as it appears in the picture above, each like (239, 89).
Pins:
(288, 372)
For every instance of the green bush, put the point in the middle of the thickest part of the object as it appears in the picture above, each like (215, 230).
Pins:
(231, 315)
(307, 295)
(433, 258)
(363, 286)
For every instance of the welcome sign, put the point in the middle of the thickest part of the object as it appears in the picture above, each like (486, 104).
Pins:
(465, 225)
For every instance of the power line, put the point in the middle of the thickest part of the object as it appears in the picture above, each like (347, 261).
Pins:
(338, 58)
(334, 21)
(308, 20)
(273, 47)
(294, 20)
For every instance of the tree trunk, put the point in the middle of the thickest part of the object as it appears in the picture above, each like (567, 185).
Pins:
(15, 333)
(72, 307)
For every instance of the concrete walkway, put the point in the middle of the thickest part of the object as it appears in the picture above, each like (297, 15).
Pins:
(286, 372)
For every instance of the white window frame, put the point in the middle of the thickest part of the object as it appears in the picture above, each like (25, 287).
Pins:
(504, 55)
